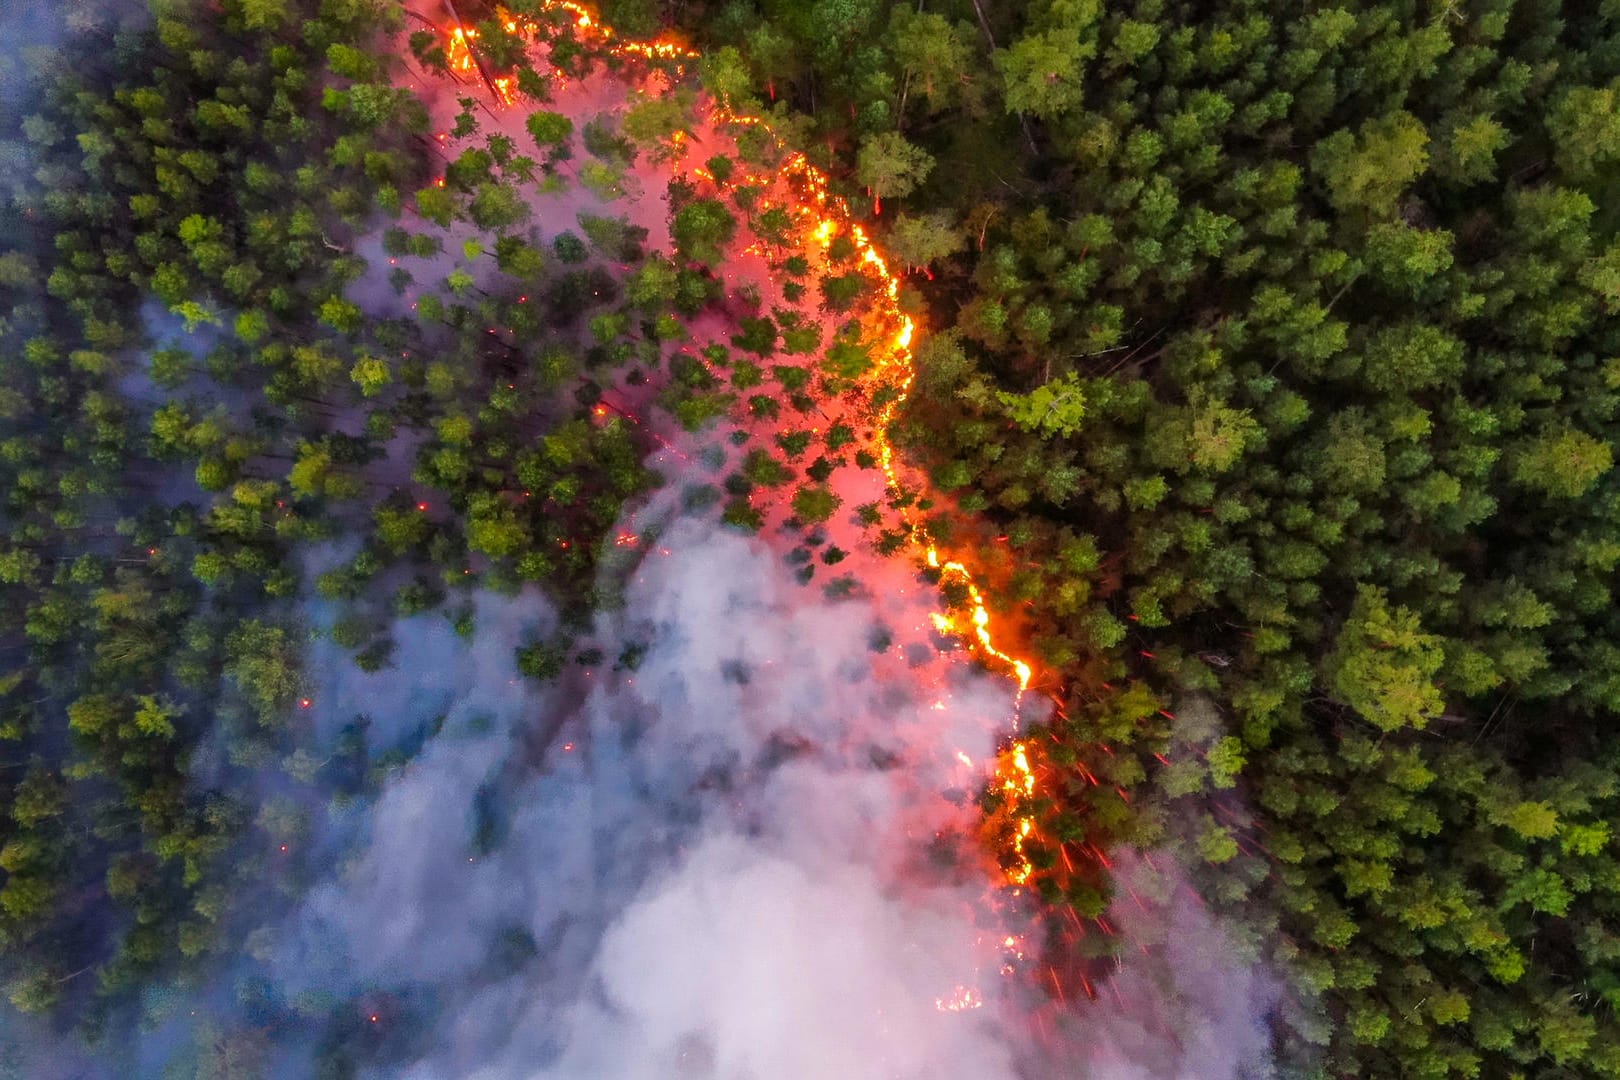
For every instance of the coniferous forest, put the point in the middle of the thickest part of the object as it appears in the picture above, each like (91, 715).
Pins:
(1266, 376)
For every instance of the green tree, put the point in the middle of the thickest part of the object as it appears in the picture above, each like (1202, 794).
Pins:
(1368, 171)
(1562, 463)
(815, 503)
(701, 229)
(659, 125)
(371, 375)
(935, 55)
(1042, 71)
(1054, 408)
(923, 240)
(890, 167)
(1383, 665)
(263, 663)
(1585, 127)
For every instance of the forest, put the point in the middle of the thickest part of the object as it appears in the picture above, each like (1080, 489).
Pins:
(1267, 375)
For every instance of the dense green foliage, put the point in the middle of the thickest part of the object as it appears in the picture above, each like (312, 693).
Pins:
(1280, 342)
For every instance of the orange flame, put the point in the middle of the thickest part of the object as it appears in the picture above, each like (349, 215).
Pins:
(1019, 787)
(460, 57)
(458, 51)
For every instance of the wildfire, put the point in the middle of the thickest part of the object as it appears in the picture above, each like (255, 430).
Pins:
(979, 616)
(827, 216)
(1013, 773)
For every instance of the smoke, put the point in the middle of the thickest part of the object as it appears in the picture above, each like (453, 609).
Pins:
(32, 29)
(1183, 1004)
(764, 967)
(713, 865)
(746, 853)
(34, 37)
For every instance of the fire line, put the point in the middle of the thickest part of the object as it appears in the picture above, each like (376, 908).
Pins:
(1014, 778)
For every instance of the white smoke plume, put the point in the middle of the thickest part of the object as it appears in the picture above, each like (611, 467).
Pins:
(710, 866)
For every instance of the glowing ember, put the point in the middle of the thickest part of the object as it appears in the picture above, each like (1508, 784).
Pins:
(962, 999)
